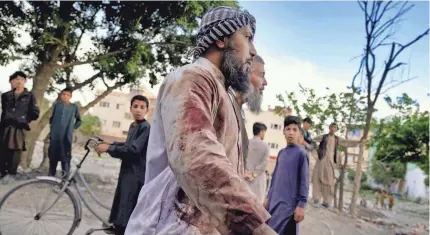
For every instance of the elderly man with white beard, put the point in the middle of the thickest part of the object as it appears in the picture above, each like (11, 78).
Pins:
(253, 98)
(255, 160)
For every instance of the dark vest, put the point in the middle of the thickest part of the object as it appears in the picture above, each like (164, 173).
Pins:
(322, 148)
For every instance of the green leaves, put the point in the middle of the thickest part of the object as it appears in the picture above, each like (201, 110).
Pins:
(129, 40)
(91, 125)
(345, 108)
(404, 137)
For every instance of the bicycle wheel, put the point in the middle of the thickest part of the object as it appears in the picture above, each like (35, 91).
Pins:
(20, 209)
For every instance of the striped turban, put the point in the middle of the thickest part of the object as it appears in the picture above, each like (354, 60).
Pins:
(218, 23)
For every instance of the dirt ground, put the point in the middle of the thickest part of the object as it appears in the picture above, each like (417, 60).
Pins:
(407, 218)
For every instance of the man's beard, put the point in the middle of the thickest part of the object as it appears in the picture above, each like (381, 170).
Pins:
(233, 71)
(254, 99)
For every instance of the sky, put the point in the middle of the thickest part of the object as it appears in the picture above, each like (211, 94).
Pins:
(314, 43)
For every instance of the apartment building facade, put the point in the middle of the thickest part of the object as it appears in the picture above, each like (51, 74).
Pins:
(114, 112)
(274, 136)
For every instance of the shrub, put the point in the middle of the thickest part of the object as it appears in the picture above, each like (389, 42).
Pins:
(351, 175)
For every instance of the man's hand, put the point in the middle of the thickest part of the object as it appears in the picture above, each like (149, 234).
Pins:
(102, 148)
(248, 176)
(299, 214)
(107, 142)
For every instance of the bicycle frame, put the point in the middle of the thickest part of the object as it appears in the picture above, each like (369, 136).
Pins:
(72, 182)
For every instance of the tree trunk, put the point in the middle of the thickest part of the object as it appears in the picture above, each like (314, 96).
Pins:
(44, 165)
(336, 187)
(32, 137)
(40, 84)
(358, 169)
(402, 185)
(342, 181)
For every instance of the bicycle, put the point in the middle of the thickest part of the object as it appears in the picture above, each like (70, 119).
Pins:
(70, 188)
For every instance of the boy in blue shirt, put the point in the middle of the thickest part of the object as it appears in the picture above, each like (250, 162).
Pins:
(289, 188)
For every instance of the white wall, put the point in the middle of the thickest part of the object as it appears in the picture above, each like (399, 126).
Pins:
(415, 183)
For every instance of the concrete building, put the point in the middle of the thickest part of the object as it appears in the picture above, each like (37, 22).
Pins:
(353, 152)
(114, 112)
(274, 135)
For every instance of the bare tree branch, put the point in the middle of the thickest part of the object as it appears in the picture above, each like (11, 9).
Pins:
(425, 33)
(395, 84)
(397, 65)
(78, 43)
(66, 65)
(87, 81)
(105, 93)
(360, 69)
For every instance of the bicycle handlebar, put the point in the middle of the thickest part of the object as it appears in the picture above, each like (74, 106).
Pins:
(95, 138)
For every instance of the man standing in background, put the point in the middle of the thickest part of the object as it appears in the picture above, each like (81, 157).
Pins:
(307, 124)
(323, 173)
(257, 160)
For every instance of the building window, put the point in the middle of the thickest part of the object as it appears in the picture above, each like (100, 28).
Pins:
(273, 145)
(116, 124)
(275, 126)
(128, 116)
(125, 132)
(104, 104)
(118, 106)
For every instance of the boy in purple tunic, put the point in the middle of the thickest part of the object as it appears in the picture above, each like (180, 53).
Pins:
(289, 188)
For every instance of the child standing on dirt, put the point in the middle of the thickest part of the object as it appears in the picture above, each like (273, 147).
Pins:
(64, 121)
(377, 196)
(383, 199)
(391, 201)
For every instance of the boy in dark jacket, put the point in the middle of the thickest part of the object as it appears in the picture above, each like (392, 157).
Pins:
(19, 108)
(132, 173)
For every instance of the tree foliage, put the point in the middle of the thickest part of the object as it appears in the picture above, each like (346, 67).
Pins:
(384, 172)
(130, 39)
(345, 108)
(404, 137)
(351, 175)
(91, 125)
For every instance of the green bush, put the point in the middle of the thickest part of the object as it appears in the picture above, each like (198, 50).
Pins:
(351, 175)
(365, 187)
(363, 177)
(91, 125)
